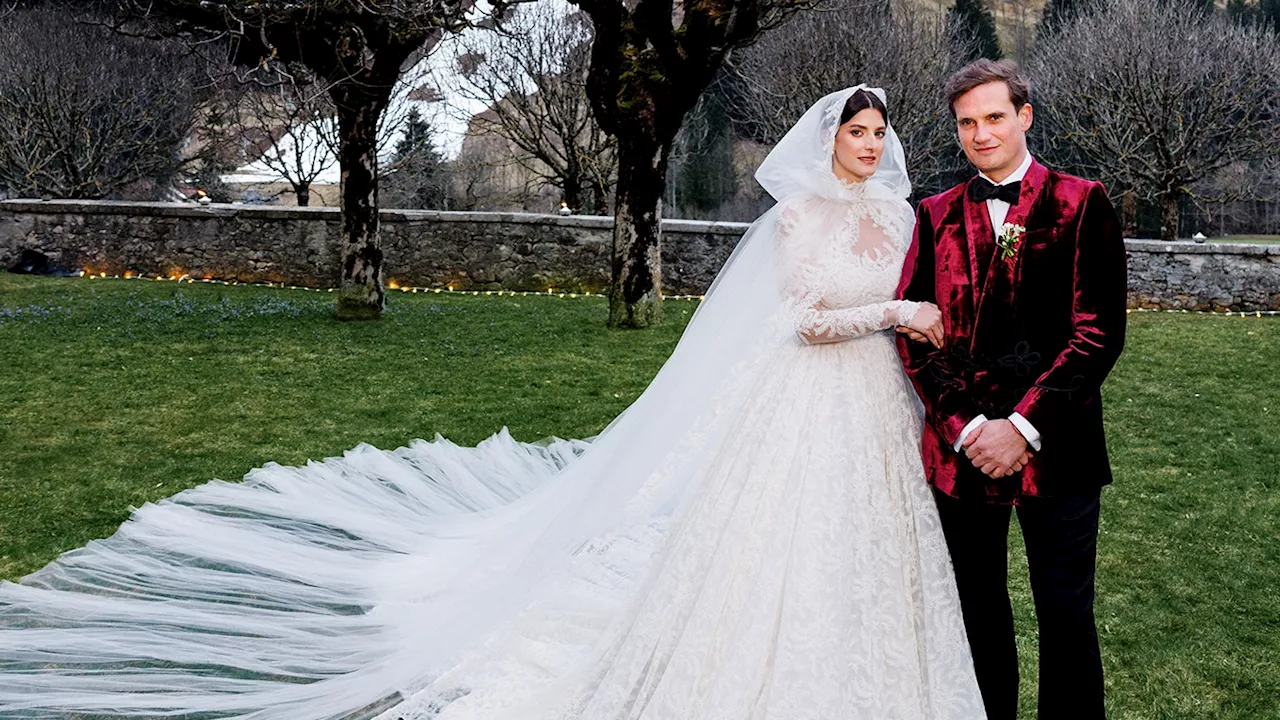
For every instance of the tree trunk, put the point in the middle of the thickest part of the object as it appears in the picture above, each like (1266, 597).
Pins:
(1171, 214)
(303, 192)
(573, 190)
(599, 197)
(635, 298)
(1129, 213)
(361, 295)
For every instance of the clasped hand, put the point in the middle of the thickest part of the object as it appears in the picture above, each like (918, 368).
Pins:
(994, 447)
(997, 448)
(925, 326)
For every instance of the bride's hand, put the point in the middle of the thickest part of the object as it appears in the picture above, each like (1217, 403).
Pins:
(926, 325)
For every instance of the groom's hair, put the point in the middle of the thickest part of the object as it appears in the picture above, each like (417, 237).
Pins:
(983, 71)
(861, 100)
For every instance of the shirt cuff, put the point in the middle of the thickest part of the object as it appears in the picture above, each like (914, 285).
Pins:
(973, 425)
(1028, 430)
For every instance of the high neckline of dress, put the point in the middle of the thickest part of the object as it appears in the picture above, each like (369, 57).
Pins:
(833, 188)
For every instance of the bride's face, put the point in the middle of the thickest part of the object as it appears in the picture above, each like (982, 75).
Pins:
(859, 144)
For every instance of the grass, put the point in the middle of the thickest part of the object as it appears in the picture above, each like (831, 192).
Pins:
(120, 392)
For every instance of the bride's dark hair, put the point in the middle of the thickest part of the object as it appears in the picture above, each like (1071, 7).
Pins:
(861, 100)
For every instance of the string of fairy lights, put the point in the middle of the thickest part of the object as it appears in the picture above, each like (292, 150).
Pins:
(549, 292)
(392, 285)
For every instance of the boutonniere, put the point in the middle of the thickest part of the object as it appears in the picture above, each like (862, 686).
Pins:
(1010, 236)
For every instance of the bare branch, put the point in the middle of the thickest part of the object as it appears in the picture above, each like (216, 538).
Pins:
(1160, 104)
(531, 74)
(85, 113)
(907, 53)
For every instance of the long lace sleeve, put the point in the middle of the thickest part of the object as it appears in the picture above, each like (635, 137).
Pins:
(815, 325)
(807, 275)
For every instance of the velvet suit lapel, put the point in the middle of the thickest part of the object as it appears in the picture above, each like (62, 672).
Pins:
(977, 228)
(1000, 286)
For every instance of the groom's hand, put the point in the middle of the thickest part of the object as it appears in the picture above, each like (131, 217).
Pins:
(996, 448)
(912, 334)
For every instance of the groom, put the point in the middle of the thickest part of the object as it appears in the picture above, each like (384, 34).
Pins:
(1028, 268)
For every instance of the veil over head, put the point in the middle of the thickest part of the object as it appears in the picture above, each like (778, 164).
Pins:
(801, 162)
(326, 590)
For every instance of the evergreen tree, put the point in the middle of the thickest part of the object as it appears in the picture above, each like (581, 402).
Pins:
(416, 178)
(973, 17)
(417, 135)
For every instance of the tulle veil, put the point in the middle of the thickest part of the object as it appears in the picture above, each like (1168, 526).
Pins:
(334, 589)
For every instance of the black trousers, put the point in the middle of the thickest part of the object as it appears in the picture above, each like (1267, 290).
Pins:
(1061, 535)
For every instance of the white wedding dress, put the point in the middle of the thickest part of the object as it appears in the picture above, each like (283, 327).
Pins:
(753, 540)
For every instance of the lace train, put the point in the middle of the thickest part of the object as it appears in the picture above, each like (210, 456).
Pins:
(286, 596)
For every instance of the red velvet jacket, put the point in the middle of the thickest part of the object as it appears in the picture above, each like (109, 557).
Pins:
(1036, 336)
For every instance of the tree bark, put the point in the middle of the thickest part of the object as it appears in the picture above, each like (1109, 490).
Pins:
(303, 193)
(1129, 213)
(1171, 214)
(361, 295)
(635, 298)
(573, 189)
(599, 197)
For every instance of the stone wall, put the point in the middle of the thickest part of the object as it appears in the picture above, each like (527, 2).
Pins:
(510, 251)
(1203, 276)
(300, 246)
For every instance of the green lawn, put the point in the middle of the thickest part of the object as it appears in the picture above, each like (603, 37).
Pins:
(120, 392)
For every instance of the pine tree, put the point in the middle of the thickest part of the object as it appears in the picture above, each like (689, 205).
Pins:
(973, 16)
(416, 178)
(417, 135)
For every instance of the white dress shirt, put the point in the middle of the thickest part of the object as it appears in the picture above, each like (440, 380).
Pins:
(998, 210)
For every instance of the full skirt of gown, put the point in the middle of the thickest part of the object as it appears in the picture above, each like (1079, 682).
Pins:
(806, 576)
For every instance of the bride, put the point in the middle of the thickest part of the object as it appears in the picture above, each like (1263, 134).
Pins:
(752, 538)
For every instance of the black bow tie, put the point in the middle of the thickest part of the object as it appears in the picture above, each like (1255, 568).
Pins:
(981, 190)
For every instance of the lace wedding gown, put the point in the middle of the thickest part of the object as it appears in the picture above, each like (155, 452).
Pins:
(753, 539)
(806, 576)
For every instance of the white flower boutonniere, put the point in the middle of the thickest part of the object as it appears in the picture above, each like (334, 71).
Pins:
(1010, 236)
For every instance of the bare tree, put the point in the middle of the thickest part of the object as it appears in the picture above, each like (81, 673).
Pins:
(1158, 103)
(650, 62)
(291, 127)
(286, 125)
(86, 113)
(531, 74)
(358, 49)
(908, 53)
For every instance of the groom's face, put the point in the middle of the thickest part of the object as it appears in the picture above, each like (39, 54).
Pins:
(992, 131)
